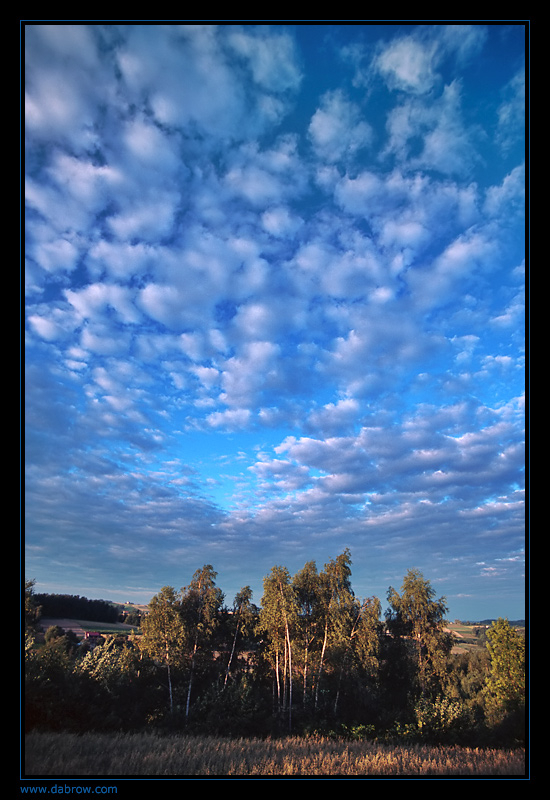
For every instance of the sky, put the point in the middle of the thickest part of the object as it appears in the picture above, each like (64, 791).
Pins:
(274, 306)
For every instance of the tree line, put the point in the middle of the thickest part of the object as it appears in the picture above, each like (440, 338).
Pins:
(75, 607)
(312, 657)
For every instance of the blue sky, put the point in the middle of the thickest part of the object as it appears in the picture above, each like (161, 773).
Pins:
(274, 294)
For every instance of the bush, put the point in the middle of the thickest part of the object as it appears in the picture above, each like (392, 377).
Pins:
(439, 719)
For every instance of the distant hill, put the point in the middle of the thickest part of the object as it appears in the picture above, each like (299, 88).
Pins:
(515, 623)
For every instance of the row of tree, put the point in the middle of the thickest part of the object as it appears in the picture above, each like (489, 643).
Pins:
(75, 607)
(311, 657)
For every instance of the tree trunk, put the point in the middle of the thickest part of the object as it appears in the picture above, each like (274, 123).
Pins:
(170, 687)
(228, 670)
(321, 664)
(306, 653)
(169, 677)
(278, 680)
(190, 682)
(289, 679)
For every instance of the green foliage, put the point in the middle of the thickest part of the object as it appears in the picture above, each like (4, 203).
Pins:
(505, 686)
(277, 621)
(418, 616)
(111, 665)
(243, 622)
(200, 608)
(164, 633)
(32, 608)
(312, 658)
(438, 719)
(358, 732)
(238, 710)
(506, 681)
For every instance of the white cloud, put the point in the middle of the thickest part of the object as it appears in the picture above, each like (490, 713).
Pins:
(333, 417)
(511, 113)
(407, 64)
(336, 129)
(64, 80)
(60, 255)
(231, 419)
(151, 221)
(509, 195)
(247, 376)
(335, 290)
(280, 222)
(447, 144)
(468, 255)
(271, 56)
(46, 328)
(97, 298)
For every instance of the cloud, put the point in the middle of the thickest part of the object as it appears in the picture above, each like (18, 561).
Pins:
(280, 222)
(53, 323)
(407, 64)
(94, 301)
(65, 79)
(336, 129)
(231, 419)
(412, 63)
(314, 273)
(271, 57)
(508, 196)
(433, 134)
(511, 113)
(334, 417)
(267, 177)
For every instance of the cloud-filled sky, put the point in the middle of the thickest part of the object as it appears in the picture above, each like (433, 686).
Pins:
(274, 293)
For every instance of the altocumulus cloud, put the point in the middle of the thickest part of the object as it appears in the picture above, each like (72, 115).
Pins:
(274, 305)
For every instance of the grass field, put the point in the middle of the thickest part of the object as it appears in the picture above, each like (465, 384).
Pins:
(80, 626)
(465, 640)
(66, 754)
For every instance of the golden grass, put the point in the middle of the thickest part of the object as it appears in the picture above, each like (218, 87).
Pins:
(48, 754)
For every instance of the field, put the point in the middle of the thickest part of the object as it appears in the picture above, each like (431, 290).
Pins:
(80, 626)
(66, 754)
(465, 639)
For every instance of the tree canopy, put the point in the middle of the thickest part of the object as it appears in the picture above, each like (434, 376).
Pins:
(311, 656)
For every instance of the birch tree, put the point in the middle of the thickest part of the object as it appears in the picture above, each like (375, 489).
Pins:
(277, 620)
(336, 600)
(201, 602)
(359, 645)
(418, 616)
(244, 612)
(163, 632)
(306, 587)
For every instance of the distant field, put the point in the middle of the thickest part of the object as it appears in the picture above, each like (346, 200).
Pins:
(185, 756)
(464, 637)
(79, 626)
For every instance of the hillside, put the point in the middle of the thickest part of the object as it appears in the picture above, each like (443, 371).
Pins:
(80, 626)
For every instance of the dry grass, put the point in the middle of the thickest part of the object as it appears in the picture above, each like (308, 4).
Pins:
(56, 754)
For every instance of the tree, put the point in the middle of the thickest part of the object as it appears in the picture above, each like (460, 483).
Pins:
(244, 612)
(336, 603)
(277, 617)
(505, 684)
(200, 606)
(416, 615)
(368, 635)
(306, 587)
(163, 633)
(54, 632)
(32, 613)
